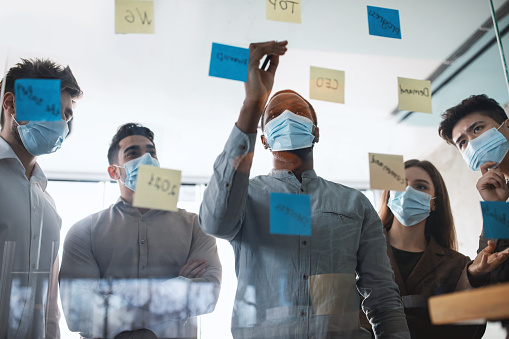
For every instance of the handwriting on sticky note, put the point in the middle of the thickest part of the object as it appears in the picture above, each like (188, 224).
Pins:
(157, 188)
(414, 95)
(134, 16)
(283, 10)
(290, 214)
(495, 216)
(384, 22)
(327, 84)
(37, 99)
(387, 172)
(229, 62)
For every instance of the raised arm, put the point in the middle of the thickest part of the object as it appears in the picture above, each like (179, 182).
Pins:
(222, 209)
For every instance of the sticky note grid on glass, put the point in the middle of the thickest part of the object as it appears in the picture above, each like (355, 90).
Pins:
(290, 214)
(157, 188)
(229, 62)
(37, 99)
(384, 22)
(495, 216)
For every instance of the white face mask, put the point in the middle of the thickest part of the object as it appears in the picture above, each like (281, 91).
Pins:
(489, 146)
(131, 169)
(289, 131)
(411, 206)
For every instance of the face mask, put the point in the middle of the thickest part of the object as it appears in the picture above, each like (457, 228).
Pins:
(43, 137)
(289, 131)
(131, 169)
(489, 146)
(409, 207)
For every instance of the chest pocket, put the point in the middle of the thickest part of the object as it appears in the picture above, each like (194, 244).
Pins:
(336, 240)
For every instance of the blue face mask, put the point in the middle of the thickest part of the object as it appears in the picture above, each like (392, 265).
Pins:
(43, 137)
(411, 206)
(289, 131)
(489, 146)
(131, 169)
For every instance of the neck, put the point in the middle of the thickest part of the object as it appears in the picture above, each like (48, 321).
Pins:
(27, 160)
(291, 160)
(128, 195)
(408, 238)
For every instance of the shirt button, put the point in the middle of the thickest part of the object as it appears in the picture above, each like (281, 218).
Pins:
(142, 267)
(305, 277)
(34, 208)
(243, 147)
(304, 242)
(302, 190)
(303, 313)
(33, 266)
(289, 172)
(35, 236)
(227, 184)
(142, 242)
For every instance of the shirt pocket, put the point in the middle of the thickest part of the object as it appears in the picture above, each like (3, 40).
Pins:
(336, 240)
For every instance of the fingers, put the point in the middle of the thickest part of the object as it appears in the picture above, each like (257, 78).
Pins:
(258, 50)
(487, 165)
(194, 268)
(274, 62)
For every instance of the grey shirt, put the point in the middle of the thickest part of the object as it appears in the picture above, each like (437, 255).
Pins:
(134, 260)
(300, 286)
(29, 240)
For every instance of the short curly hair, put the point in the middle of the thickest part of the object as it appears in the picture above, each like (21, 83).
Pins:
(481, 104)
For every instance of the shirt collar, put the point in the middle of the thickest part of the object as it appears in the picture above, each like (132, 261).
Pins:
(311, 174)
(6, 152)
(130, 209)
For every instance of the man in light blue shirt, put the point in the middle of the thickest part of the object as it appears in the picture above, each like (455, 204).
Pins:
(296, 286)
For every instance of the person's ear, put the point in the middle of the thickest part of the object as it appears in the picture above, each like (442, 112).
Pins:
(9, 104)
(264, 141)
(432, 207)
(112, 171)
(317, 134)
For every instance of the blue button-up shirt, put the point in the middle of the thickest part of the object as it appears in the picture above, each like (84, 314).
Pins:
(300, 286)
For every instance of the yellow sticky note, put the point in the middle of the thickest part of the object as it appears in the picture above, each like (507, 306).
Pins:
(157, 188)
(283, 10)
(134, 16)
(387, 172)
(327, 84)
(414, 95)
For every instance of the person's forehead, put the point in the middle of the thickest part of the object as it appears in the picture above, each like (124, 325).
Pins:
(417, 173)
(134, 140)
(465, 122)
(286, 99)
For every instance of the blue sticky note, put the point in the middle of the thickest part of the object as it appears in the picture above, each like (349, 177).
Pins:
(37, 99)
(495, 215)
(290, 214)
(384, 22)
(229, 62)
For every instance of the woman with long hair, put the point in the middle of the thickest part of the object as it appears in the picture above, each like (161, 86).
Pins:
(422, 248)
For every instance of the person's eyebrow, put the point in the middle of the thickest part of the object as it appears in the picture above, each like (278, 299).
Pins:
(469, 129)
(132, 148)
(422, 180)
(151, 146)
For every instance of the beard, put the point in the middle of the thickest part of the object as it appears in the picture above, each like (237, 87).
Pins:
(302, 153)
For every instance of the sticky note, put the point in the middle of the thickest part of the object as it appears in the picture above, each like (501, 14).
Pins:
(387, 172)
(37, 99)
(495, 216)
(283, 10)
(134, 16)
(384, 22)
(414, 95)
(290, 214)
(229, 62)
(327, 84)
(157, 188)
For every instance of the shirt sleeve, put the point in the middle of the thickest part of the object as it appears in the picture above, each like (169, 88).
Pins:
(52, 312)
(223, 206)
(382, 303)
